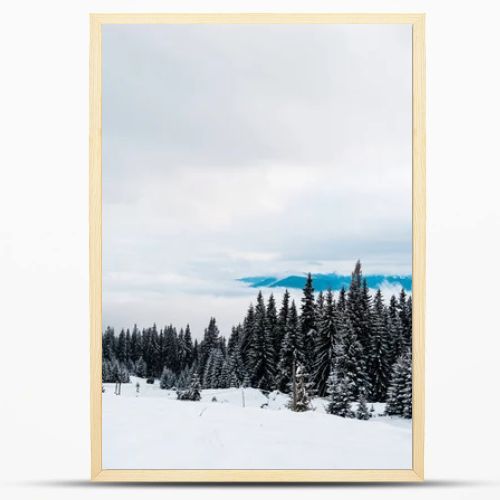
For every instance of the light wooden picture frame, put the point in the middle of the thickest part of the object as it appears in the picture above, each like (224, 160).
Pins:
(416, 472)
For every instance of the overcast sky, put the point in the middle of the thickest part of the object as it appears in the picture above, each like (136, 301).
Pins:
(245, 150)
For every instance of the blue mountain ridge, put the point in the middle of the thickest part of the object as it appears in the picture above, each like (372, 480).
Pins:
(322, 282)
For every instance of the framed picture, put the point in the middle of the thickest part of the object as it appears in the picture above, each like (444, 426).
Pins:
(257, 247)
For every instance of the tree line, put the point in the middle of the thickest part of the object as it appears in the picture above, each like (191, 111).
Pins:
(351, 348)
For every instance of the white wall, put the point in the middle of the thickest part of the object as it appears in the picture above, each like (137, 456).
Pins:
(43, 244)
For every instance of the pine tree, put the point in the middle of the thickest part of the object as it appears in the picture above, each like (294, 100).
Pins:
(224, 378)
(213, 367)
(308, 322)
(261, 354)
(135, 345)
(236, 368)
(395, 331)
(121, 347)
(272, 330)
(188, 347)
(293, 348)
(340, 403)
(122, 374)
(107, 371)
(281, 327)
(140, 368)
(358, 307)
(209, 342)
(181, 349)
(319, 310)
(324, 352)
(379, 369)
(108, 343)
(366, 302)
(404, 308)
(342, 301)
(171, 350)
(247, 335)
(350, 361)
(399, 400)
(362, 412)
(184, 378)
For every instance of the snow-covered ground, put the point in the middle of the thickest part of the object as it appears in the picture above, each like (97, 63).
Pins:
(153, 430)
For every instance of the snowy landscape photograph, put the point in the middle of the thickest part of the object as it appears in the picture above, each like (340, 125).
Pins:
(257, 246)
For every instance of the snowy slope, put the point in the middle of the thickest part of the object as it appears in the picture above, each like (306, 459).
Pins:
(154, 430)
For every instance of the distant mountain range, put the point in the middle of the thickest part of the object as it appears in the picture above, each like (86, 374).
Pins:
(323, 282)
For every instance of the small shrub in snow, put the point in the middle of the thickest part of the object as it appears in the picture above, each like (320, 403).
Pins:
(167, 379)
(362, 412)
(150, 380)
(193, 393)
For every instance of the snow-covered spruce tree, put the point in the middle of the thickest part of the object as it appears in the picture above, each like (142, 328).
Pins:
(308, 322)
(404, 308)
(196, 355)
(300, 399)
(194, 388)
(324, 351)
(153, 360)
(350, 361)
(233, 380)
(261, 353)
(194, 391)
(183, 379)
(399, 400)
(206, 378)
(210, 341)
(281, 329)
(119, 372)
(358, 306)
(171, 349)
(168, 380)
(247, 336)
(362, 412)
(379, 369)
(188, 347)
(366, 302)
(181, 350)
(293, 346)
(234, 338)
(135, 344)
(272, 328)
(319, 309)
(340, 400)
(224, 376)
(121, 347)
(236, 368)
(342, 302)
(407, 390)
(213, 368)
(395, 331)
(107, 371)
(140, 368)
(108, 343)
